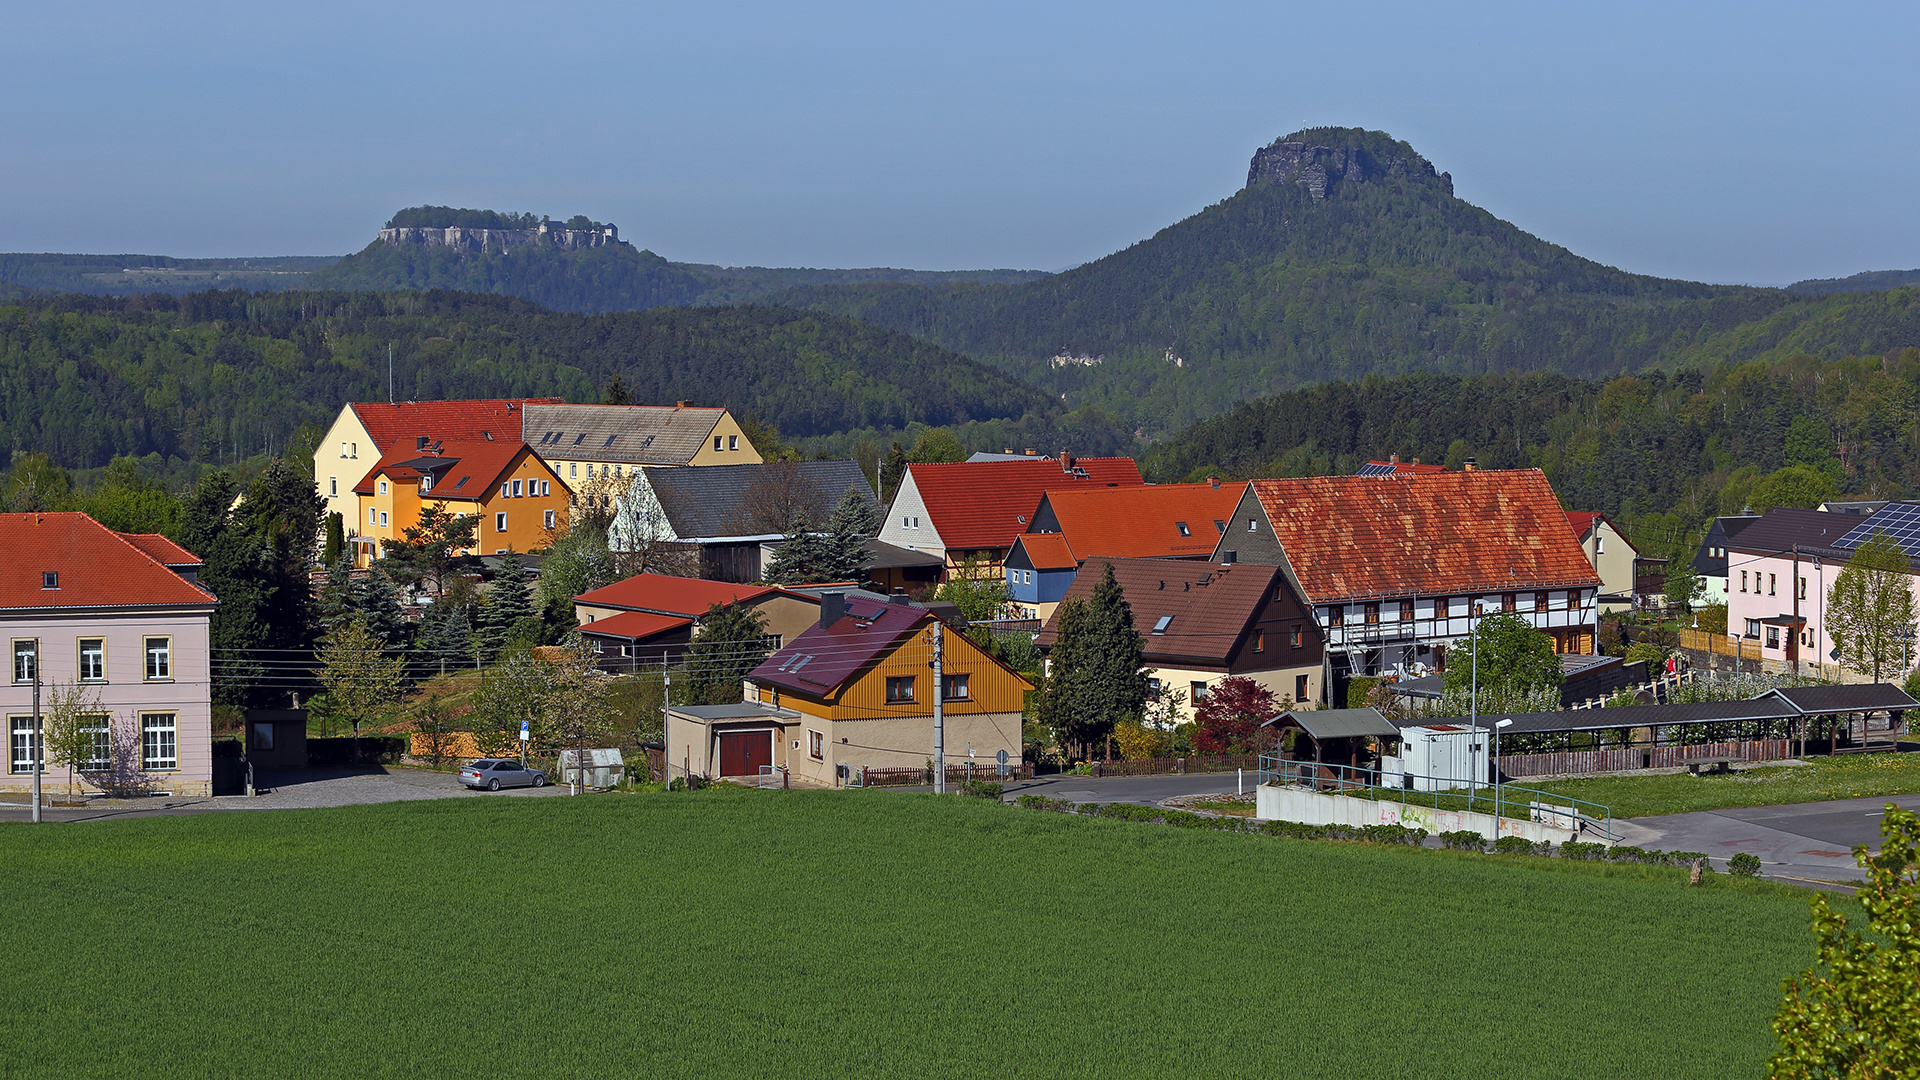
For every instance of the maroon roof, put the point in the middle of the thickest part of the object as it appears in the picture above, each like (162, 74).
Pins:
(1208, 607)
(822, 658)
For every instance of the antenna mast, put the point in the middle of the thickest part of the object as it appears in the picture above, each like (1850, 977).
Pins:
(389, 372)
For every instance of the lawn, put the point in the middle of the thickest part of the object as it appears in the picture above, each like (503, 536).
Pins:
(733, 932)
(1845, 777)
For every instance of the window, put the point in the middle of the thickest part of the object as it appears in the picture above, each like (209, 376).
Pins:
(93, 659)
(573, 470)
(1160, 625)
(426, 484)
(733, 442)
(333, 486)
(1773, 637)
(1253, 525)
(1336, 615)
(1294, 637)
(262, 735)
(25, 748)
(546, 487)
(49, 579)
(506, 490)
(157, 749)
(1153, 688)
(1803, 588)
(100, 753)
(1197, 691)
(1753, 628)
(899, 689)
(816, 746)
(1259, 641)
(1743, 581)
(343, 449)
(1540, 601)
(26, 660)
(1372, 613)
(1406, 611)
(1299, 688)
(955, 688)
(1599, 544)
(1439, 607)
(383, 487)
(589, 472)
(500, 521)
(1013, 577)
(1026, 577)
(1772, 581)
(716, 442)
(159, 658)
(516, 489)
(1182, 526)
(383, 519)
(549, 520)
(1573, 599)
(354, 450)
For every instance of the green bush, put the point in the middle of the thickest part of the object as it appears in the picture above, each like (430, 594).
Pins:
(1745, 864)
(1575, 849)
(981, 789)
(1520, 845)
(1357, 691)
(1463, 840)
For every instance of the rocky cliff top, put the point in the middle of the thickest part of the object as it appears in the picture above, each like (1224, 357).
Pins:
(1320, 158)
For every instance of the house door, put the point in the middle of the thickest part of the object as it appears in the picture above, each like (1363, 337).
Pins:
(743, 752)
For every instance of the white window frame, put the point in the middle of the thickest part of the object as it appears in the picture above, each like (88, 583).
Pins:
(159, 742)
(333, 487)
(549, 519)
(373, 517)
(101, 728)
(716, 442)
(99, 655)
(573, 470)
(24, 673)
(733, 442)
(162, 671)
(546, 487)
(516, 489)
(24, 744)
(383, 519)
(383, 487)
(500, 521)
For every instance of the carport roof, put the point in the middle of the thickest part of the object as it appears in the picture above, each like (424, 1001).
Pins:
(1630, 716)
(742, 710)
(1325, 724)
(1856, 697)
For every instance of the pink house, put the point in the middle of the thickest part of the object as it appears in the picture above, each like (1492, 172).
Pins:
(1779, 569)
(120, 618)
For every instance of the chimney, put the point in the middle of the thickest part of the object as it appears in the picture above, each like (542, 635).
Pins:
(419, 442)
(682, 404)
(1008, 450)
(1470, 465)
(1213, 481)
(832, 606)
(1393, 459)
(899, 597)
(1416, 461)
(1066, 462)
(1031, 452)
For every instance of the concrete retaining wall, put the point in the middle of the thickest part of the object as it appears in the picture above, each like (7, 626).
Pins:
(1273, 802)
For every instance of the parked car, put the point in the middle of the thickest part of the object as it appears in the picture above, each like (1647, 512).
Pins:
(496, 773)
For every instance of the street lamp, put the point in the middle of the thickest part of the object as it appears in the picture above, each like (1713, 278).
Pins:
(1496, 774)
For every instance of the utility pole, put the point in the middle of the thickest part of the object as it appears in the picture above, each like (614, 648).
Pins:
(1473, 707)
(389, 372)
(939, 714)
(666, 706)
(38, 748)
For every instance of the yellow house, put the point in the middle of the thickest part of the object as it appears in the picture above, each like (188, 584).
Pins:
(600, 442)
(518, 498)
(855, 691)
(364, 432)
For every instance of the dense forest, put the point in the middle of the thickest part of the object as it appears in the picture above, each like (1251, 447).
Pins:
(125, 275)
(1870, 281)
(1663, 450)
(1275, 288)
(226, 376)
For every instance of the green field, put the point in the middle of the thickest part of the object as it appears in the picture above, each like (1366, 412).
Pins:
(1848, 776)
(855, 934)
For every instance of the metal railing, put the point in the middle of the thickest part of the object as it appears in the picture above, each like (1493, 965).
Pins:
(1444, 793)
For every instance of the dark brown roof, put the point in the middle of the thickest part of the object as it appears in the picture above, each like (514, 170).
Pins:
(1779, 530)
(1850, 697)
(1210, 606)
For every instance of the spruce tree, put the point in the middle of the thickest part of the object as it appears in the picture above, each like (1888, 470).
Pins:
(445, 641)
(732, 642)
(805, 557)
(336, 539)
(854, 522)
(508, 602)
(338, 598)
(377, 599)
(1116, 658)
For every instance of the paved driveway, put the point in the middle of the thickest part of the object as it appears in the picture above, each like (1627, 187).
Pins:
(1805, 840)
(289, 791)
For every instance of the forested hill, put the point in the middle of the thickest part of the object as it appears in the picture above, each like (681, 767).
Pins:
(1329, 271)
(222, 376)
(1665, 450)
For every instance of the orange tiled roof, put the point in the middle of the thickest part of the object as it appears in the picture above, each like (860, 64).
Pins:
(478, 467)
(1047, 551)
(1348, 537)
(97, 567)
(1144, 522)
(162, 550)
(400, 424)
(635, 625)
(985, 504)
(669, 595)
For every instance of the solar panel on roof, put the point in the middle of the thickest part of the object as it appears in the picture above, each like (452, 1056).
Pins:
(1900, 521)
(1376, 468)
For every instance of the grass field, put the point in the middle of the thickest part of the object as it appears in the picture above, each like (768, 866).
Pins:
(1821, 778)
(876, 934)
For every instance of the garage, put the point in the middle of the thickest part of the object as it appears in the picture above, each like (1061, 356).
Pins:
(742, 753)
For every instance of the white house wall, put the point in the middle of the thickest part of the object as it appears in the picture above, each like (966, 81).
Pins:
(907, 523)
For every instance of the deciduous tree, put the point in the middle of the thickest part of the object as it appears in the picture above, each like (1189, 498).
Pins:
(1870, 610)
(1228, 718)
(1515, 659)
(362, 679)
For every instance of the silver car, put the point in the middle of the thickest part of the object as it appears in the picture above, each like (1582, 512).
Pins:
(496, 773)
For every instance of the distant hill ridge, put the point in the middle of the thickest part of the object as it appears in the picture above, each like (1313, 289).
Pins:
(1868, 281)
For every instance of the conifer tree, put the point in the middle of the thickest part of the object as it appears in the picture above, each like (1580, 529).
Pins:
(445, 641)
(732, 642)
(338, 598)
(1116, 659)
(508, 602)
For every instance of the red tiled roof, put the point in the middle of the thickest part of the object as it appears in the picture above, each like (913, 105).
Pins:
(1349, 537)
(97, 566)
(1407, 468)
(981, 504)
(668, 595)
(819, 659)
(162, 550)
(1047, 551)
(1144, 522)
(400, 424)
(479, 465)
(1582, 521)
(635, 625)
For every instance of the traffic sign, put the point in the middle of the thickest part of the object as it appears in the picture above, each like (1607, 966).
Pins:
(524, 735)
(1001, 757)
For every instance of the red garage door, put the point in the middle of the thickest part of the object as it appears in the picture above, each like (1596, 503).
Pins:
(743, 752)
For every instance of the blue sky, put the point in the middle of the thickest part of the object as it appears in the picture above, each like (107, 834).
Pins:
(1723, 142)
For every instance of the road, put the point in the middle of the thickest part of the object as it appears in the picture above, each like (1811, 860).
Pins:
(1803, 840)
(1134, 789)
(285, 791)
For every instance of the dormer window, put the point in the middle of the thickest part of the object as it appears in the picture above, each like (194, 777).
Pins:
(50, 579)
(1220, 527)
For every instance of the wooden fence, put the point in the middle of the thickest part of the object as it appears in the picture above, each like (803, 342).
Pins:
(1641, 757)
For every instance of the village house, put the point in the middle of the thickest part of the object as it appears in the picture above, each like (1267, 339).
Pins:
(517, 497)
(364, 432)
(1397, 568)
(734, 516)
(120, 618)
(611, 442)
(1200, 622)
(651, 616)
(970, 512)
(1779, 569)
(854, 691)
(1710, 562)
